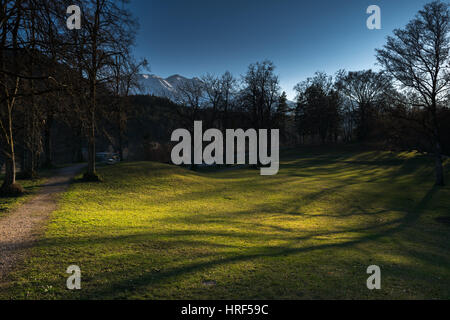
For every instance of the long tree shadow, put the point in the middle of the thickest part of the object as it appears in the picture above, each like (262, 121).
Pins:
(271, 252)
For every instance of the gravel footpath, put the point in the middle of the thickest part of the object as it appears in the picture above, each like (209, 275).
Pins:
(20, 228)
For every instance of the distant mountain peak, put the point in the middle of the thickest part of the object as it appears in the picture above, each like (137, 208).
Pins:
(150, 76)
(152, 84)
(176, 77)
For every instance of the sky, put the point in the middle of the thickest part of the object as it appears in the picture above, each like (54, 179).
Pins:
(194, 37)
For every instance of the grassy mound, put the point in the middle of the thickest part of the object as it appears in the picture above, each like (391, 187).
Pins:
(154, 231)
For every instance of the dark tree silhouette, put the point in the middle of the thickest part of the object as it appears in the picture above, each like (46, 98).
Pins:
(318, 107)
(368, 89)
(229, 91)
(281, 114)
(11, 22)
(261, 92)
(108, 31)
(417, 56)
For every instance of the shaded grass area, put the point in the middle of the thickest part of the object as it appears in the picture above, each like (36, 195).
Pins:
(154, 231)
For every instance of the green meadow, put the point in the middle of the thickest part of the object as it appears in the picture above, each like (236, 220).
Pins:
(156, 231)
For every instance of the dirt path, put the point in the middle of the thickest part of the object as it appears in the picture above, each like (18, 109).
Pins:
(20, 228)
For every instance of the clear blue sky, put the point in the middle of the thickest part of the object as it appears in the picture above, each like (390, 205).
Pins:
(192, 37)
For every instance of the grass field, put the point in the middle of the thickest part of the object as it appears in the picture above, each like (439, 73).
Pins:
(154, 231)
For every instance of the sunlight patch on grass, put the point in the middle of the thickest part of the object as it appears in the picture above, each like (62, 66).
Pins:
(154, 231)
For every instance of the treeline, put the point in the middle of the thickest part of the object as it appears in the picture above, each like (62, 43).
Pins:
(53, 76)
(64, 91)
(405, 105)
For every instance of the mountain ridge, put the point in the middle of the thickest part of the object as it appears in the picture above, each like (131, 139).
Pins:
(152, 84)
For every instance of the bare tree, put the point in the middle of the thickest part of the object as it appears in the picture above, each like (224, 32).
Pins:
(229, 92)
(417, 56)
(368, 89)
(220, 92)
(190, 93)
(10, 82)
(213, 88)
(318, 107)
(34, 58)
(53, 45)
(261, 92)
(125, 77)
(24, 77)
(108, 30)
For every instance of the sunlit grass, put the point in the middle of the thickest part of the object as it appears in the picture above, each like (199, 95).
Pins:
(154, 231)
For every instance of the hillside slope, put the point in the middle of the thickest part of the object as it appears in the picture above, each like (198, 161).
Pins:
(154, 231)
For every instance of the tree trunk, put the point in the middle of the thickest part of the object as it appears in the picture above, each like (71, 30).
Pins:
(91, 174)
(10, 187)
(10, 172)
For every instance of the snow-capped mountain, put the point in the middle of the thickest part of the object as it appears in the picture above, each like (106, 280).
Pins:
(154, 85)
(157, 86)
